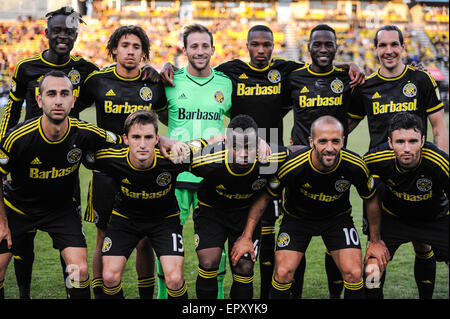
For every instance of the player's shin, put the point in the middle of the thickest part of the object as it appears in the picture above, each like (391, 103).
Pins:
(334, 277)
(297, 284)
(242, 287)
(425, 273)
(206, 285)
(266, 259)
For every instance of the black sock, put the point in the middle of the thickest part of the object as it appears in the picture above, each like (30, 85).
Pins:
(266, 259)
(115, 292)
(375, 291)
(425, 273)
(23, 264)
(146, 286)
(179, 293)
(334, 277)
(79, 290)
(297, 284)
(242, 287)
(206, 284)
(279, 290)
(354, 290)
(2, 289)
(97, 287)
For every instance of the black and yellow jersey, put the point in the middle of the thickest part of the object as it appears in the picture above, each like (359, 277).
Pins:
(261, 93)
(316, 195)
(43, 172)
(413, 91)
(229, 190)
(144, 193)
(417, 194)
(316, 94)
(115, 97)
(25, 85)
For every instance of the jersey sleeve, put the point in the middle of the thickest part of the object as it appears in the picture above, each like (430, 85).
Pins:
(356, 109)
(86, 97)
(5, 159)
(362, 178)
(161, 103)
(431, 92)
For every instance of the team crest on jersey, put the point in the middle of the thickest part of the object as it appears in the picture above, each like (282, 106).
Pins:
(3, 158)
(74, 77)
(107, 243)
(218, 96)
(342, 185)
(337, 86)
(274, 76)
(146, 93)
(74, 155)
(164, 179)
(410, 90)
(258, 184)
(424, 184)
(283, 240)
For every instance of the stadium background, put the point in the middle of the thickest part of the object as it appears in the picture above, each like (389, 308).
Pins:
(425, 25)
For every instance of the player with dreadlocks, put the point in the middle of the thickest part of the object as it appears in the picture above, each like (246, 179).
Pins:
(61, 32)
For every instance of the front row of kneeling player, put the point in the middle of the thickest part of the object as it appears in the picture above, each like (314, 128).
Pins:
(43, 157)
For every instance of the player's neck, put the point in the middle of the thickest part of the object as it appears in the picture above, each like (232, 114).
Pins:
(392, 73)
(127, 73)
(317, 69)
(140, 164)
(54, 131)
(203, 73)
(54, 58)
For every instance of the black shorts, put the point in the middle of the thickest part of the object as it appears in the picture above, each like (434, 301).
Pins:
(123, 234)
(213, 227)
(101, 196)
(63, 224)
(396, 231)
(337, 233)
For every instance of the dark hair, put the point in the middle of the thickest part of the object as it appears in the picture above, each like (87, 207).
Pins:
(322, 27)
(141, 117)
(56, 74)
(193, 28)
(259, 27)
(114, 39)
(242, 122)
(407, 121)
(66, 11)
(388, 28)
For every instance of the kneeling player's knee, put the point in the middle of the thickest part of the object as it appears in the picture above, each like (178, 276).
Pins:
(244, 267)
(174, 280)
(353, 274)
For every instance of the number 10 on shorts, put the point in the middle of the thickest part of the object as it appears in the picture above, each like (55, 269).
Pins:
(351, 235)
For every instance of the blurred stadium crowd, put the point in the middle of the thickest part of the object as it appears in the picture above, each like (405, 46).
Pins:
(25, 35)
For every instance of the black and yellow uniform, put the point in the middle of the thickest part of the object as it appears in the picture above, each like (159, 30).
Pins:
(261, 93)
(317, 203)
(145, 204)
(412, 91)
(25, 81)
(317, 94)
(224, 199)
(114, 97)
(415, 202)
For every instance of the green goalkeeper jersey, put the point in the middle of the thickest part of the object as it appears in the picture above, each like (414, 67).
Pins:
(196, 106)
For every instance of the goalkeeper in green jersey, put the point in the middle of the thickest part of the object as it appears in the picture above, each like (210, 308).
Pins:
(196, 108)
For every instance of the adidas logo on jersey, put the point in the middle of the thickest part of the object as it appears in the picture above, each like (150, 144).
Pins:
(110, 93)
(304, 90)
(182, 96)
(126, 181)
(376, 95)
(36, 161)
(306, 185)
(243, 76)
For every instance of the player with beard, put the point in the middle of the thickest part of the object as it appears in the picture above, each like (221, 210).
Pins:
(61, 32)
(118, 91)
(396, 87)
(316, 183)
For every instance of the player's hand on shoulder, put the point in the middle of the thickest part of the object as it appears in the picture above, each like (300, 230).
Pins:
(167, 74)
(149, 73)
(179, 153)
(357, 76)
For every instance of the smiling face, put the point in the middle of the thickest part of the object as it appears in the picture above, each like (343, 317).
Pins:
(198, 51)
(61, 35)
(322, 48)
(407, 146)
(326, 143)
(389, 51)
(260, 47)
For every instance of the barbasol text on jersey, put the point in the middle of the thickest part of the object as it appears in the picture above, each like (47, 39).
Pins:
(242, 89)
(124, 108)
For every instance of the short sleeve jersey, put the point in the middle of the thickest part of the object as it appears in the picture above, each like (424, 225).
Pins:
(25, 81)
(196, 107)
(115, 97)
(316, 94)
(316, 195)
(413, 91)
(43, 172)
(417, 194)
(261, 93)
(225, 189)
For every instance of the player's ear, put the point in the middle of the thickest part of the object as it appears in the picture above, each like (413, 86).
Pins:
(311, 144)
(125, 138)
(39, 100)
(390, 143)
(423, 141)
